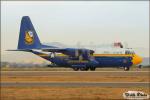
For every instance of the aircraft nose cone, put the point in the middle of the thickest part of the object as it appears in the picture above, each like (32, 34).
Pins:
(137, 59)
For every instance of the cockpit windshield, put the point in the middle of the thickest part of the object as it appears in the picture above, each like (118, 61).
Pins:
(129, 52)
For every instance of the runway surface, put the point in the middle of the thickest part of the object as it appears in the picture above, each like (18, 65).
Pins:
(66, 73)
(114, 74)
(75, 84)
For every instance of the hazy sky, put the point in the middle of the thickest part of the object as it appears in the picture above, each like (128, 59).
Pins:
(70, 22)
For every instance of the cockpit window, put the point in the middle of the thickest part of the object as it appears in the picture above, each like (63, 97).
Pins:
(132, 52)
(129, 52)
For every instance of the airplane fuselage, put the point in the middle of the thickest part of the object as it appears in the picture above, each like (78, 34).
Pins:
(101, 60)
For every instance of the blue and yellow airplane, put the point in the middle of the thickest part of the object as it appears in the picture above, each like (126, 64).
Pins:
(76, 58)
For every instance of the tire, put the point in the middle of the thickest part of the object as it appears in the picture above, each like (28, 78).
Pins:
(126, 68)
(87, 68)
(83, 68)
(140, 66)
(92, 68)
(75, 68)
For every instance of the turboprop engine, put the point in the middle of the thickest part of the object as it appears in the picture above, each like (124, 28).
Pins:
(85, 53)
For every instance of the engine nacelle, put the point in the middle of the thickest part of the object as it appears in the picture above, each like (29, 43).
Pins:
(85, 53)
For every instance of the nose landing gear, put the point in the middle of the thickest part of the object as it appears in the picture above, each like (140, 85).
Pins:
(126, 68)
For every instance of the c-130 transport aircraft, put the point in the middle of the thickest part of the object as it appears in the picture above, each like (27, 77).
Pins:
(77, 58)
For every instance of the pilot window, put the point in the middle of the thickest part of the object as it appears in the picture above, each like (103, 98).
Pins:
(126, 52)
(129, 52)
(133, 52)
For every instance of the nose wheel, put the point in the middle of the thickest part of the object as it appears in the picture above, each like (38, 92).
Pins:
(126, 68)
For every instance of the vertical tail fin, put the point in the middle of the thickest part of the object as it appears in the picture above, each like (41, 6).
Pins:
(28, 38)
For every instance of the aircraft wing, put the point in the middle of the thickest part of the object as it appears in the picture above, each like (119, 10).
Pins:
(69, 51)
(43, 49)
(54, 49)
(20, 50)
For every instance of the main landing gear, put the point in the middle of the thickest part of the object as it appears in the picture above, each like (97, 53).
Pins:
(92, 68)
(75, 68)
(84, 68)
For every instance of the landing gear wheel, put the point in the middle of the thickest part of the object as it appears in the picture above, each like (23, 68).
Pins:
(87, 68)
(126, 68)
(83, 68)
(75, 68)
(92, 68)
